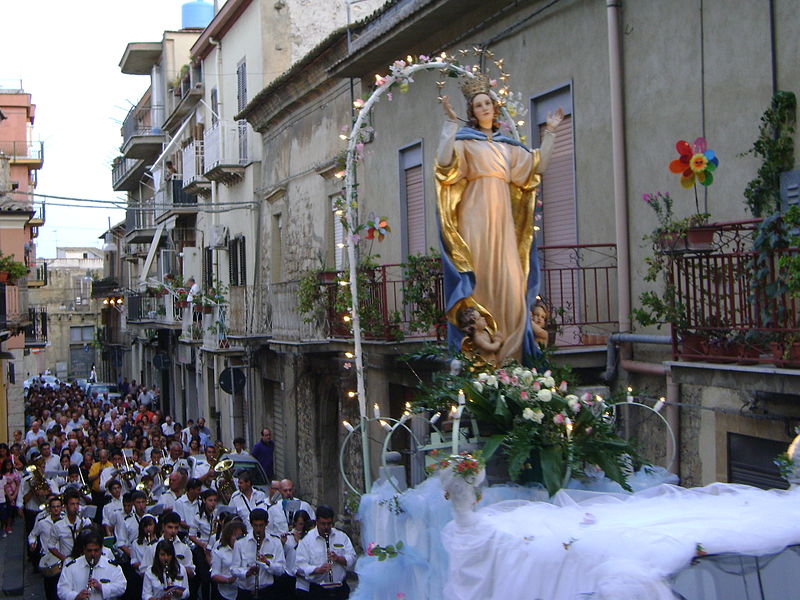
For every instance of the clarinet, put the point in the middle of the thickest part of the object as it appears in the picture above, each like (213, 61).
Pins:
(327, 537)
(258, 569)
(91, 564)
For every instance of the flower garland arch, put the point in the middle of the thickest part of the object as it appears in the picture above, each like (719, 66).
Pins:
(400, 75)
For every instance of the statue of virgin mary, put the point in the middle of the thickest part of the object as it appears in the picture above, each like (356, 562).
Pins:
(485, 185)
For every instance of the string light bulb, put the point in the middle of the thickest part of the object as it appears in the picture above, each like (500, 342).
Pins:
(435, 418)
(351, 394)
(348, 426)
(385, 425)
(349, 355)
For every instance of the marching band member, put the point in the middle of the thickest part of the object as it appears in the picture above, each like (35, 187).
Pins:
(130, 524)
(170, 497)
(92, 576)
(203, 469)
(147, 535)
(246, 499)
(74, 481)
(113, 506)
(40, 534)
(114, 471)
(288, 583)
(166, 578)
(170, 522)
(189, 503)
(280, 513)
(222, 558)
(175, 458)
(257, 559)
(62, 540)
(201, 533)
(324, 556)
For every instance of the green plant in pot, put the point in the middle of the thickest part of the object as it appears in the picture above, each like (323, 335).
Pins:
(11, 270)
(421, 291)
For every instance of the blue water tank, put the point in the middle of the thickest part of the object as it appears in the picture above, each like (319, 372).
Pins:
(196, 14)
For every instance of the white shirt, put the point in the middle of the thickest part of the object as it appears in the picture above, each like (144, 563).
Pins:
(138, 553)
(73, 425)
(312, 553)
(200, 527)
(244, 507)
(35, 501)
(110, 473)
(186, 437)
(244, 557)
(185, 507)
(76, 573)
(118, 524)
(52, 463)
(221, 560)
(279, 521)
(182, 553)
(114, 505)
(168, 499)
(63, 534)
(201, 467)
(153, 588)
(34, 435)
(41, 529)
(130, 529)
(168, 428)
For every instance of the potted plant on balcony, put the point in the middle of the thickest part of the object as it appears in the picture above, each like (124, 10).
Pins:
(11, 270)
(181, 297)
(422, 292)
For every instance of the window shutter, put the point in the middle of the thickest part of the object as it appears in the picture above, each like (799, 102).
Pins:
(338, 237)
(208, 268)
(560, 228)
(415, 210)
(241, 85)
(242, 262)
(214, 106)
(233, 261)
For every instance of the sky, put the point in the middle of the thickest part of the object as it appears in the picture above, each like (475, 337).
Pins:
(67, 55)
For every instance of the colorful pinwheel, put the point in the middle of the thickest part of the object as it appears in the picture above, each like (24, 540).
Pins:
(695, 164)
(377, 228)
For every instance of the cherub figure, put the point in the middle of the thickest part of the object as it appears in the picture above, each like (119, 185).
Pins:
(478, 335)
(539, 316)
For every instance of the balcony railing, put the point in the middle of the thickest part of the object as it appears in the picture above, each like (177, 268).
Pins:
(227, 151)
(138, 122)
(578, 284)
(173, 197)
(22, 150)
(283, 320)
(124, 169)
(38, 273)
(36, 330)
(141, 308)
(139, 217)
(192, 161)
(726, 314)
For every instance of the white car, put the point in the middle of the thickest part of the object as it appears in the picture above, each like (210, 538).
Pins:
(103, 388)
(46, 381)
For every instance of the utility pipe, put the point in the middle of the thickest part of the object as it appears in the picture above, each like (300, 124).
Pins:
(619, 164)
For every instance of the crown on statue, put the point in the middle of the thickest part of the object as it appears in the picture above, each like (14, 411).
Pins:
(472, 86)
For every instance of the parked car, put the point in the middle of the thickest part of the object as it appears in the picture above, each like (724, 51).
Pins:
(252, 466)
(82, 383)
(103, 388)
(46, 381)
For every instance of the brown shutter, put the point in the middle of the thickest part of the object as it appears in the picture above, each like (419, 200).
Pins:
(559, 224)
(415, 210)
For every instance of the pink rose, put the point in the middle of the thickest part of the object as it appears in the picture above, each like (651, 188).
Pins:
(536, 386)
(370, 548)
(562, 387)
(503, 377)
(523, 395)
(558, 419)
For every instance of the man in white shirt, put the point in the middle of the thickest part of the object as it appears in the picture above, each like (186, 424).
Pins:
(170, 497)
(239, 448)
(62, 537)
(202, 468)
(40, 534)
(246, 499)
(168, 427)
(156, 445)
(176, 458)
(129, 530)
(186, 435)
(75, 451)
(92, 575)
(281, 514)
(51, 461)
(257, 559)
(47, 420)
(113, 506)
(114, 471)
(35, 435)
(323, 558)
(188, 504)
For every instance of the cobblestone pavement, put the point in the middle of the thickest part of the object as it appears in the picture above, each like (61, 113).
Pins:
(14, 545)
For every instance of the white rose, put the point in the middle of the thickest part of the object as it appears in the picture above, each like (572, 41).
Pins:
(482, 377)
(491, 381)
(548, 381)
(571, 398)
(538, 415)
(526, 377)
(527, 414)
(574, 405)
(478, 386)
(544, 395)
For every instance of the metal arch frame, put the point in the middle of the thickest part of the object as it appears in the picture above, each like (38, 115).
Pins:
(674, 453)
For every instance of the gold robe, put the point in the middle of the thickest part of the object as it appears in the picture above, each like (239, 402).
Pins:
(486, 218)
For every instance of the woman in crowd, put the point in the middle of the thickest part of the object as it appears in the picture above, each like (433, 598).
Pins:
(222, 557)
(167, 577)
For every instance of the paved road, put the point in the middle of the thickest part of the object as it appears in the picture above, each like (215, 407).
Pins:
(12, 555)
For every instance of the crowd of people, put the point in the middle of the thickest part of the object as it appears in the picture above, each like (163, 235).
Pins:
(120, 501)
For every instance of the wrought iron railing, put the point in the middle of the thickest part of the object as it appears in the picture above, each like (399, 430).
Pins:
(731, 301)
(121, 168)
(22, 150)
(36, 330)
(138, 122)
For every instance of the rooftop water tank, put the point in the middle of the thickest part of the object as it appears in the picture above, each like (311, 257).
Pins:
(196, 14)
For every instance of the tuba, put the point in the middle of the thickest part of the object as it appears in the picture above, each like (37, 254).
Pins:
(225, 485)
(38, 483)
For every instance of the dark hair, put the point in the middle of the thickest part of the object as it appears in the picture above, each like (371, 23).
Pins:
(244, 475)
(144, 521)
(86, 537)
(466, 319)
(259, 514)
(170, 517)
(71, 493)
(201, 510)
(127, 497)
(74, 470)
(325, 512)
(193, 484)
(226, 536)
(173, 568)
(239, 440)
(138, 494)
(7, 466)
(306, 519)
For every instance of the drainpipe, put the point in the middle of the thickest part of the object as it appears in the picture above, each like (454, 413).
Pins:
(619, 165)
(672, 412)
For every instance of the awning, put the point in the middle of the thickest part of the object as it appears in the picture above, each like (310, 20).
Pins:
(175, 139)
(151, 254)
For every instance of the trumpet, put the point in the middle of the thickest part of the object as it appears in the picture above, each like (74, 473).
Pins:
(143, 488)
(166, 470)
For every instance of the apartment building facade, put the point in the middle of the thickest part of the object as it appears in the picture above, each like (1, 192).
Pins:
(24, 326)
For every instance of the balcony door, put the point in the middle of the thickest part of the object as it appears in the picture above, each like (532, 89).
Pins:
(558, 236)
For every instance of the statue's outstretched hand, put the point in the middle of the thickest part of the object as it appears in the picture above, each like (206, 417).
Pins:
(448, 109)
(554, 118)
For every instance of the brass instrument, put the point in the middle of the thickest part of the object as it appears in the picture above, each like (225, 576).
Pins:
(225, 485)
(166, 470)
(38, 484)
(143, 488)
(85, 489)
(129, 472)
